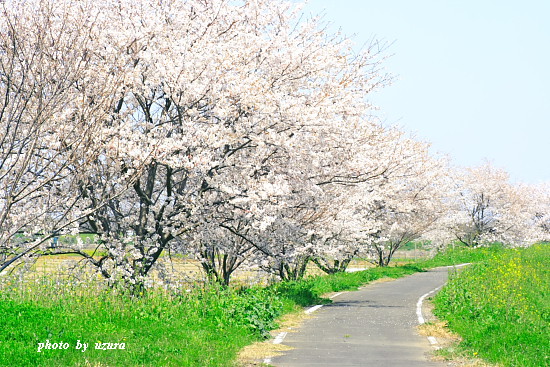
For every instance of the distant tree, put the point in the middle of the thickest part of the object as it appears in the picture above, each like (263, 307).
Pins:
(408, 205)
(488, 208)
(539, 203)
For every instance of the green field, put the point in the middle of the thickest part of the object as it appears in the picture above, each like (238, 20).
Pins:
(203, 327)
(501, 307)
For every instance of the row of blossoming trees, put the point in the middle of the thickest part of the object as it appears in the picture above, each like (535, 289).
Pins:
(236, 132)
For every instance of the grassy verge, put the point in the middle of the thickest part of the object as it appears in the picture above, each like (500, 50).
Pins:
(201, 327)
(501, 307)
(204, 327)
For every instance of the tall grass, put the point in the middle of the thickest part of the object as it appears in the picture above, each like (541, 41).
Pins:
(203, 327)
(501, 307)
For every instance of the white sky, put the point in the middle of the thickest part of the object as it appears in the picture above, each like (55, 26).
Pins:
(473, 76)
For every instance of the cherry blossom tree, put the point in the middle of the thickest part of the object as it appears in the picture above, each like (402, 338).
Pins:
(538, 202)
(402, 205)
(317, 224)
(211, 98)
(48, 121)
(223, 246)
(542, 214)
(488, 208)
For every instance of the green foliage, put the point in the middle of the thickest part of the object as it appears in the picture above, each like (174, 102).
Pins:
(255, 308)
(204, 327)
(501, 306)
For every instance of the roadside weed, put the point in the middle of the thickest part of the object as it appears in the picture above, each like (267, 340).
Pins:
(501, 307)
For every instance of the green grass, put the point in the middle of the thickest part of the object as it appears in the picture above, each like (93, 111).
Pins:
(501, 307)
(205, 326)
